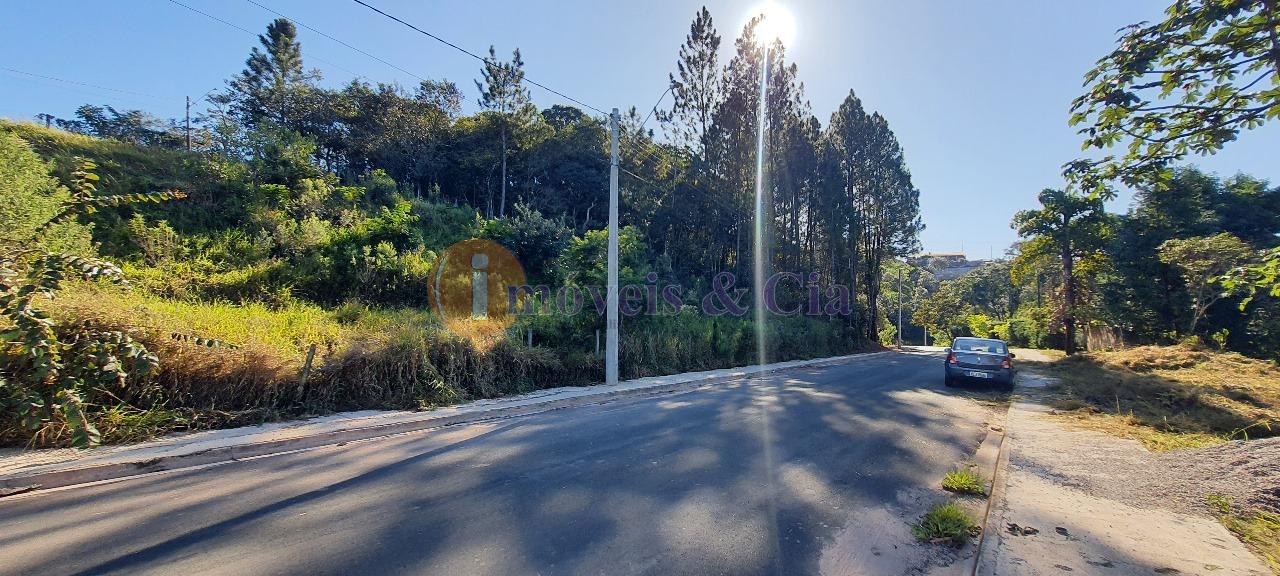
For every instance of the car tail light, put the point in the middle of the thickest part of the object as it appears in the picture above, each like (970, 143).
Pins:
(951, 358)
(1005, 363)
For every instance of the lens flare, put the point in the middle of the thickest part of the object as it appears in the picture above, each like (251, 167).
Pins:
(778, 23)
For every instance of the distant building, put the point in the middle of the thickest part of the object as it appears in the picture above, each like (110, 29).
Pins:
(947, 265)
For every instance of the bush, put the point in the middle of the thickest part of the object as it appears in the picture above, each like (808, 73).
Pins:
(31, 198)
(47, 369)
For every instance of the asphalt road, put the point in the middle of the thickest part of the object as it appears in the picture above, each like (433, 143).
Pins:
(804, 471)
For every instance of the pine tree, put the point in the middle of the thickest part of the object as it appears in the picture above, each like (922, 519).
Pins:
(1070, 225)
(696, 94)
(273, 86)
(504, 94)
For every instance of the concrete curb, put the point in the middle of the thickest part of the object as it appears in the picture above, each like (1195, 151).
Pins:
(20, 482)
(995, 458)
(986, 459)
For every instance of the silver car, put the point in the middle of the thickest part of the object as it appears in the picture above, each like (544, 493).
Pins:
(983, 359)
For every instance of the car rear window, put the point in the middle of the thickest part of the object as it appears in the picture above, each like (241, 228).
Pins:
(992, 346)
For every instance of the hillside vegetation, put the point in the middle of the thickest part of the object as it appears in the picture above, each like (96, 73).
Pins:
(231, 322)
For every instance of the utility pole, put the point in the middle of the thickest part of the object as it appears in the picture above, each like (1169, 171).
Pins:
(899, 306)
(188, 123)
(611, 318)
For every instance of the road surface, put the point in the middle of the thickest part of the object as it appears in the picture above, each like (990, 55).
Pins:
(810, 470)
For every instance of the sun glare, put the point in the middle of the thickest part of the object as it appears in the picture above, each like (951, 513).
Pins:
(778, 23)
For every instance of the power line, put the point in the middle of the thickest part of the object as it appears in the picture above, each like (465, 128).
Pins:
(428, 34)
(653, 110)
(296, 21)
(78, 83)
(476, 56)
(636, 176)
(247, 31)
(650, 151)
(211, 16)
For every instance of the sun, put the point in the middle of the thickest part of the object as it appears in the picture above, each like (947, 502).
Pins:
(778, 23)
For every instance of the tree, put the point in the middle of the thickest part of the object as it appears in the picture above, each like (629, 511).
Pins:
(1148, 297)
(504, 94)
(944, 312)
(443, 94)
(731, 154)
(273, 86)
(1071, 225)
(566, 167)
(1189, 83)
(990, 290)
(872, 203)
(396, 133)
(1201, 261)
(696, 94)
(133, 126)
(535, 239)
(890, 207)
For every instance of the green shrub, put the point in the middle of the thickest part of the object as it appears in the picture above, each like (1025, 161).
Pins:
(47, 369)
(31, 198)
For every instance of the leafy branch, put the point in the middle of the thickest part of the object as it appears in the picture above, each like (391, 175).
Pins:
(45, 369)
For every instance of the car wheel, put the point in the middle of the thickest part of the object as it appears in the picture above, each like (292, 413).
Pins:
(948, 381)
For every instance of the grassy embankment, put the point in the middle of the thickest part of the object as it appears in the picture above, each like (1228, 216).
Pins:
(1168, 397)
(365, 357)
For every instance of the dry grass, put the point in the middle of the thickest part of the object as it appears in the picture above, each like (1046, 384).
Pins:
(1261, 531)
(1170, 397)
(1258, 529)
(1032, 355)
(368, 358)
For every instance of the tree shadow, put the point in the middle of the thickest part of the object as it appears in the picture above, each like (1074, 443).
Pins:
(753, 476)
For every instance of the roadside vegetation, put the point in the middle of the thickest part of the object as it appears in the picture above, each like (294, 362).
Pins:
(1260, 530)
(1195, 258)
(965, 480)
(945, 522)
(287, 272)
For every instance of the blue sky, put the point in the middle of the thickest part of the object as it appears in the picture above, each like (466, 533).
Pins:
(977, 92)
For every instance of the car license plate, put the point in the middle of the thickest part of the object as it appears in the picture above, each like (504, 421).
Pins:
(977, 374)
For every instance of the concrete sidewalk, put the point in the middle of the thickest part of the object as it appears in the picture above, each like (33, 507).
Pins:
(1043, 520)
(23, 469)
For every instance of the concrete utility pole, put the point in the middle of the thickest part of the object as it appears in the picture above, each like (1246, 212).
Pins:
(899, 307)
(611, 318)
